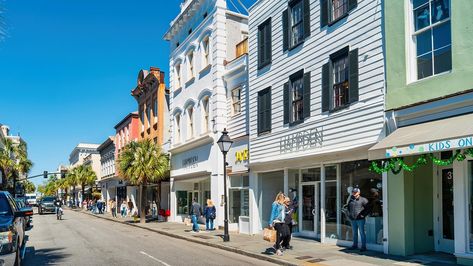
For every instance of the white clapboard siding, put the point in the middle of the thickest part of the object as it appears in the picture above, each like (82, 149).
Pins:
(361, 122)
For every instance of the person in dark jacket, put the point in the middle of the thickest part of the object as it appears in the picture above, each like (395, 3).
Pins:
(210, 213)
(358, 209)
(195, 212)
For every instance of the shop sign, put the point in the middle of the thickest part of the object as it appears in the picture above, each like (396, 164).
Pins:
(241, 156)
(191, 162)
(438, 146)
(301, 141)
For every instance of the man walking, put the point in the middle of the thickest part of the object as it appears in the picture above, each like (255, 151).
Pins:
(195, 212)
(358, 209)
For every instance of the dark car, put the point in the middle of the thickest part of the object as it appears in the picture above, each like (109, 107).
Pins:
(22, 204)
(12, 234)
(47, 205)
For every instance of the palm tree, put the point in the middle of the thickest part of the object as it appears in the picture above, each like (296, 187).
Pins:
(86, 177)
(7, 163)
(14, 161)
(63, 184)
(143, 162)
(23, 164)
(29, 186)
(73, 180)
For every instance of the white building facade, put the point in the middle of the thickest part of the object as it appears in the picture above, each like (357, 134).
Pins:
(316, 106)
(80, 154)
(202, 37)
(108, 178)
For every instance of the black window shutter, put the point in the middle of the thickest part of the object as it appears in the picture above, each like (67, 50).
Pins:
(306, 18)
(267, 43)
(286, 103)
(260, 112)
(326, 87)
(352, 4)
(260, 46)
(306, 96)
(267, 114)
(324, 12)
(285, 30)
(353, 82)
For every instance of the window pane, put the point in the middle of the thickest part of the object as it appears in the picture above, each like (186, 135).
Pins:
(339, 8)
(418, 3)
(442, 35)
(440, 10)
(424, 43)
(424, 66)
(443, 60)
(296, 13)
(309, 175)
(182, 204)
(421, 17)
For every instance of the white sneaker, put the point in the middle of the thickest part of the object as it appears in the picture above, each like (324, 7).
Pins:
(279, 252)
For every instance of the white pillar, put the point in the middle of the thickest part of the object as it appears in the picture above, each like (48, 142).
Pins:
(173, 217)
(255, 219)
(322, 203)
(286, 181)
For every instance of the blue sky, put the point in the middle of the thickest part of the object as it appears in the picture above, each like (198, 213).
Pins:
(67, 69)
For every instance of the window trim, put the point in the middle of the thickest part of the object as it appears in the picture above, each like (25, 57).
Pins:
(190, 65)
(205, 114)
(291, 5)
(299, 75)
(205, 52)
(190, 123)
(233, 102)
(344, 53)
(177, 123)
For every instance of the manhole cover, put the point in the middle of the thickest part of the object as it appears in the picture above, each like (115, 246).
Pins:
(315, 260)
(304, 257)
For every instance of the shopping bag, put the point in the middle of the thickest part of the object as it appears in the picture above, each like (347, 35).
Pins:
(269, 234)
(187, 222)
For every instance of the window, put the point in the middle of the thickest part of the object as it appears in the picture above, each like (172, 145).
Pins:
(190, 122)
(332, 11)
(205, 51)
(190, 64)
(155, 110)
(178, 128)
(148, 113)
(297, 97)
(142, 118)
(264, 44)
(264, 110)
(297, 29)
(182, 202)
(296, 23)
(340, 80)
(236, 100)
(238, 198)
(177, 69)
(205, 114)
(432, 37)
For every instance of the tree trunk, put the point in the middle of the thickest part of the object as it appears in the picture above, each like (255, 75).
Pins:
(83, 191)
(142, 206)
(74, 196)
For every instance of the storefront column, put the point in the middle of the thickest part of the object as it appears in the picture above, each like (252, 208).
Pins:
(255, 221)
(460, 206)
(286, 181)
(385, 214)
(217, 193)
(173, 199)
(322, 204)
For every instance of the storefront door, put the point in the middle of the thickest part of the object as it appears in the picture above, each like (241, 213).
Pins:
(310, 210)
(445, 218)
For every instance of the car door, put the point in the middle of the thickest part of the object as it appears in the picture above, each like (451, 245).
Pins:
(19, 222)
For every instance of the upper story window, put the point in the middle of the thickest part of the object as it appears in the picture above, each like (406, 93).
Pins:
(205, 51)
(190, 65)
(177, 70)
(205, 115)
(264, 110)
(297, 97)
(332, 11)
(236, 101)
(142, 118)
(296, 23)
(264, 44)
(148, 113)
(177, 124)
(432, 37)
(155, 110)
(190, 122)
(340, 80)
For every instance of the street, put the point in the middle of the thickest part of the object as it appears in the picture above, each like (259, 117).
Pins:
(80, 239)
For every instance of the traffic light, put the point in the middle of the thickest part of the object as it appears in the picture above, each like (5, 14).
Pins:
(63, 174)
(45, 174)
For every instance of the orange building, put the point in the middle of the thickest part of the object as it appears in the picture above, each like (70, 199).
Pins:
(153, 106)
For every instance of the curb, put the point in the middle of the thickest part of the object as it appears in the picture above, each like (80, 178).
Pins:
(222, 247)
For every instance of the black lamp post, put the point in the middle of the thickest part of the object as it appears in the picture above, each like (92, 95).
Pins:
(225, 143)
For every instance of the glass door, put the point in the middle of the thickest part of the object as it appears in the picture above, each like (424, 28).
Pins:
(446, 215)
(310, 210)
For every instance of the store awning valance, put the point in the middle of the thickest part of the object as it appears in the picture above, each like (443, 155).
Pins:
(436, 136)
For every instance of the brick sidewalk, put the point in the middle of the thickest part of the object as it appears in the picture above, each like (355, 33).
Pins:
(305, 252)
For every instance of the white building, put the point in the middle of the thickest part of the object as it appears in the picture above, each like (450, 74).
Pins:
(108, 178)
(202, 37)
(82, 153)
(316, 106)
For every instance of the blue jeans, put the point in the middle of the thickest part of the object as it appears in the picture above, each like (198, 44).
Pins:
(358, 225)
(195, 225)
(209, 224)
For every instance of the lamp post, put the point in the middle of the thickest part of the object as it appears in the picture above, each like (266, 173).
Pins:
(225, 143)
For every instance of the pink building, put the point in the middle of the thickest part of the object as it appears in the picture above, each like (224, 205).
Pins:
(127, 130)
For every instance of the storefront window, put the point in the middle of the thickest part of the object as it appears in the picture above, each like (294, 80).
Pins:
(239, 198)
(331, 216)
(356, 174)
(182, 203)
(293, 183)
(269, 184)
(310, 175)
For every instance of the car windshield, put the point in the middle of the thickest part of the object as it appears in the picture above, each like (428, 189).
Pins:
(5, 208)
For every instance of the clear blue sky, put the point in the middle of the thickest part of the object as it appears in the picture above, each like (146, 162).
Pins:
(67, 69)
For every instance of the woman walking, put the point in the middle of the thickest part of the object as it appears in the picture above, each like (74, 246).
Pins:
(277, 221)
(210, 213)
(113, 206)
(123, 209)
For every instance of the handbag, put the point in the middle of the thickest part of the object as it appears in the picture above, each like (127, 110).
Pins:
(187, 222)
(269, 234)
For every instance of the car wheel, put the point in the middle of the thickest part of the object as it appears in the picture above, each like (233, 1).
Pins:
(18, 256)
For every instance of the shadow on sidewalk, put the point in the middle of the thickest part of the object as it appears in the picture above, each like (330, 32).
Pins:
(46, 256)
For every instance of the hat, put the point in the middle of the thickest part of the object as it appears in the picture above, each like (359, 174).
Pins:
(355, 190)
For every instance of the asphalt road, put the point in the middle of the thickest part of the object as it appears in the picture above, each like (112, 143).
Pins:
(84, 240)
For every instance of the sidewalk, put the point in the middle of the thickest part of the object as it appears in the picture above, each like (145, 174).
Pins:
(305, 252)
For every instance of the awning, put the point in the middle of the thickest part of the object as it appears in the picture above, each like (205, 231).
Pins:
(436, 136)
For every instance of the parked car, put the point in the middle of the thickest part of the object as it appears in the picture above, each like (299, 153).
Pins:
(31, 199)
(46, 204)
(12, 233)
(21, 202)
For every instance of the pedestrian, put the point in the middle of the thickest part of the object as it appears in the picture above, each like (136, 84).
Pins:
(195, 212)
(154, 209)
(277, 221)
(113, 206)
(123, 209)
(99, 206)
(358, 209)
(210, 213)
(288, 222)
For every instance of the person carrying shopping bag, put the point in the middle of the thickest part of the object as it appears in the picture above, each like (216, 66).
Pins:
(277, 221)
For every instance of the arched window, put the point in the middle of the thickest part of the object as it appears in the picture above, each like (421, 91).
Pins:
(190, 122)
(177, 73)
(190, 65)
(177, 124)
(205, 52)
(205, 114)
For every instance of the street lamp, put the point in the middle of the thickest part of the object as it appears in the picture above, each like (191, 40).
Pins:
(225, 143)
